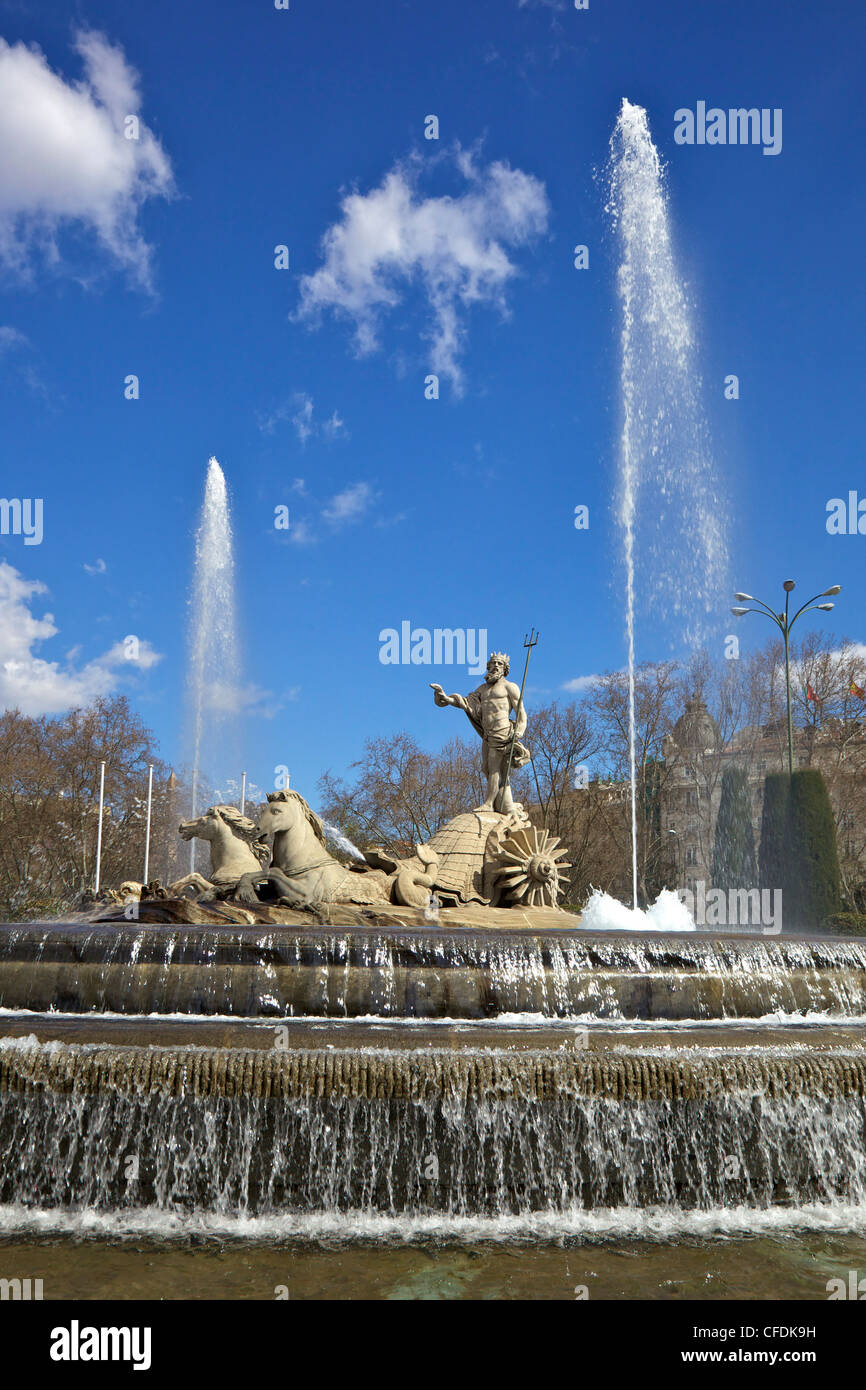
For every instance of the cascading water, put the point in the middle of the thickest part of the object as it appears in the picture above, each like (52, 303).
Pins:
(214, 663)
(306, 1078)
(666, 472)
(319, 973)
(264, 1133)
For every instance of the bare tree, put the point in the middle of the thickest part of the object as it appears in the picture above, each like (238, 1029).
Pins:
(49, 787)
(402, 794)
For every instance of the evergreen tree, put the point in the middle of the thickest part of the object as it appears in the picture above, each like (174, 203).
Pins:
(734, 849)
(812, 889)
(774, 820)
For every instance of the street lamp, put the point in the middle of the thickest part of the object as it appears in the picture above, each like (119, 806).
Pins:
(784, 623)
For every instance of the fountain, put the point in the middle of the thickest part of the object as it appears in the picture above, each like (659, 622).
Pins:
(214, 664)
(665, 463)
(295, 1047)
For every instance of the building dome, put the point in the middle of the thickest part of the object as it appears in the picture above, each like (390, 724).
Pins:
(696, 728)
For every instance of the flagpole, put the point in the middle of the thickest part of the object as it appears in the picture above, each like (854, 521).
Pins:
(243, 791)
(147, 834)
(99, 830)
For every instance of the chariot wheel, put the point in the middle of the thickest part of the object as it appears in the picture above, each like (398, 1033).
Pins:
(530, 868)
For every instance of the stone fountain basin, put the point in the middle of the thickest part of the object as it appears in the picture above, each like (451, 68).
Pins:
(406, 971)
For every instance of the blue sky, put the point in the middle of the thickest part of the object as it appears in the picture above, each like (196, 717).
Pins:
(156, 258)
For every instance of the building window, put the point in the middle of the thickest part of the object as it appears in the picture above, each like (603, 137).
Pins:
(691, 854)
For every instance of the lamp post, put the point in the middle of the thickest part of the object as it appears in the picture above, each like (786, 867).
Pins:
(784, 623)
(147, 833)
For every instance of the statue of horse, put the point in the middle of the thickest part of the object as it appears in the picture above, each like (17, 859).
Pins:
(303, 872)
(235, 851)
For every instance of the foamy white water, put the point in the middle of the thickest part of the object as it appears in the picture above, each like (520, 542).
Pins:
(668, 913)
(645, 1224)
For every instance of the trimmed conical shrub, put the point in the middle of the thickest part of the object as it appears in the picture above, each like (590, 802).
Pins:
(812, 888)
(774, 823)
(734, 849)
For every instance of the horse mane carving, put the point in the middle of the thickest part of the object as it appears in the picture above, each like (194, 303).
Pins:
(288, 794)
(246, 830)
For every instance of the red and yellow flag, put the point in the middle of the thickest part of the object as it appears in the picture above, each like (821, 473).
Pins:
(857, 690)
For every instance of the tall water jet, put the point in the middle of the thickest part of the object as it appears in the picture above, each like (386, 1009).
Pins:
(664, 463)
(214, 665)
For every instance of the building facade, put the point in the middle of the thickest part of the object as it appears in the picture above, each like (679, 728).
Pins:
(694, 760)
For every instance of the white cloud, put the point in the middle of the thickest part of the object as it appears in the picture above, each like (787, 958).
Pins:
(392, 238)
(98, 568)
(65, 160)
(349, 505)
(581, 683)
(36, 686)
(130, 651)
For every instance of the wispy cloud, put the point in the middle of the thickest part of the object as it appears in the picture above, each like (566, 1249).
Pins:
(581, 683)
(456, 248)
(303, 419)
(17, 347)
(65, 159)
(11, 338)
(349, 505)
(299, 409)
(99, 567)
(302, 533)
(332, 427)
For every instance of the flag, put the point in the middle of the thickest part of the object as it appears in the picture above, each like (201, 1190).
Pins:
(810, 694)
(857, 690)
